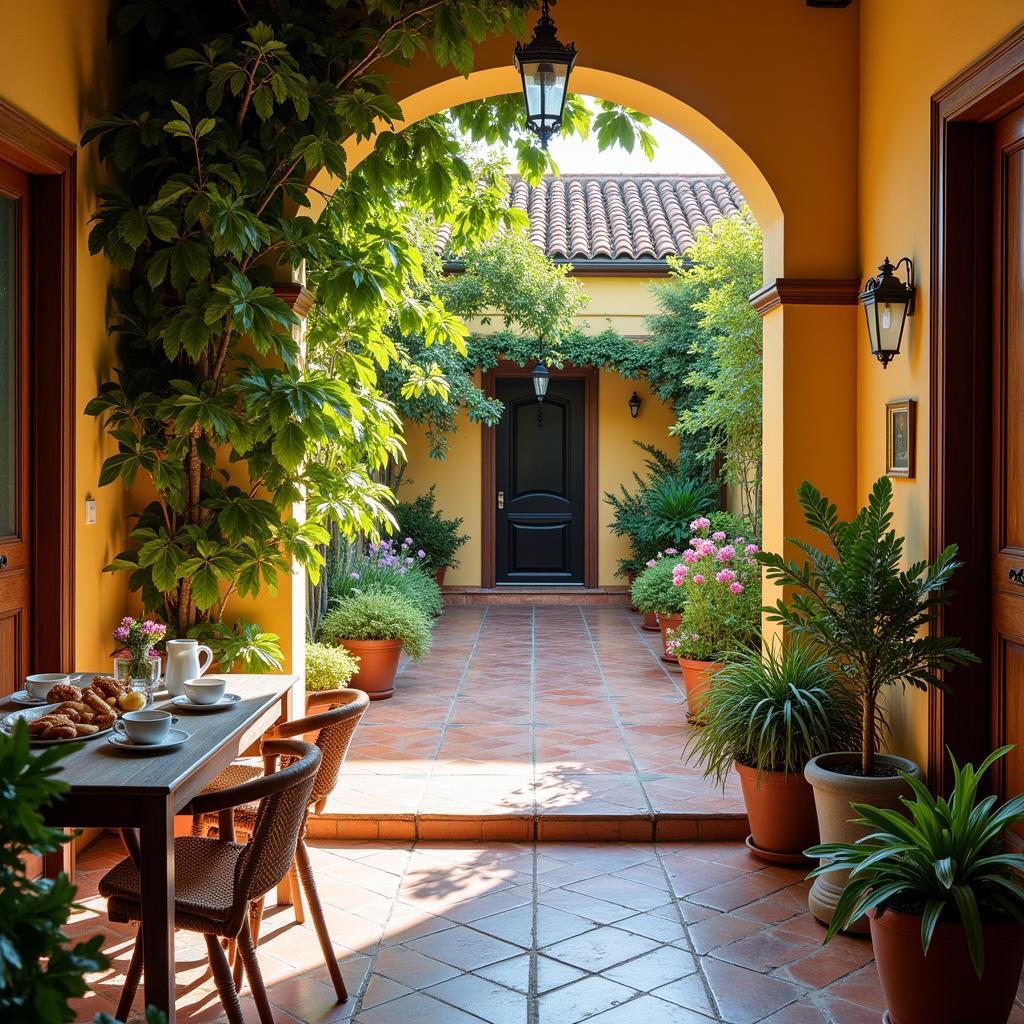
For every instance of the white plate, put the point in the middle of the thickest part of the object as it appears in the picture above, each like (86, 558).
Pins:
(175, 738)
(25, 698)
(30, 714)
(221, 705)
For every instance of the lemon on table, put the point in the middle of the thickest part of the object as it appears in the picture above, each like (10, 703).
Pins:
(132, 701)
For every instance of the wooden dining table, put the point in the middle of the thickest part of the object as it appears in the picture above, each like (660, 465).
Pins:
(111, 788)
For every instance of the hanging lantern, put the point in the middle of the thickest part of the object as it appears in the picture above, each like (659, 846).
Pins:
(634, 405)
(887, 304)
(544, 64)
(541, 376)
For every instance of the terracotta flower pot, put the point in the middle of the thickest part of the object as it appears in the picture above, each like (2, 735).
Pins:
(833, 794)
(650, 622)
(780, 809)
(942, 986)
(439, 575)
(665, 623)
(697, 676)
(378, 663)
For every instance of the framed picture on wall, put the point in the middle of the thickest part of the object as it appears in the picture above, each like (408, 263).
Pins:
(900, 438)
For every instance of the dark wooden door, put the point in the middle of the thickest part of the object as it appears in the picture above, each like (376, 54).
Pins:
(15, 554)
(1008, 451)
(539, 469)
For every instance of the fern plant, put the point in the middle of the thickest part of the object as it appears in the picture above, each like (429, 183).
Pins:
(867, 613)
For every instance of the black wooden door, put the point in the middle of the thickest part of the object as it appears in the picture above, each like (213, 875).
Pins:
(539, 456)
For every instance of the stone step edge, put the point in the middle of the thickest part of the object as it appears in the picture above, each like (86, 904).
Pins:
(454, 597)
(531, 828)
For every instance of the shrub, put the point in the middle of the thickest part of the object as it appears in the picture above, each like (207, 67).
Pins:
(329, 667)
(654, 591)
(422, 524)
(388, 568)
(379, 616)
(721, 587)
(774, 711)
(416, 587)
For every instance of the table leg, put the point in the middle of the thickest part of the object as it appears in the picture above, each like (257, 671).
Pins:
(156, 841)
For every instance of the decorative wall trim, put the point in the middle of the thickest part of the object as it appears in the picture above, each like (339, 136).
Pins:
(51, 164)
(806, 291)
(298, 298)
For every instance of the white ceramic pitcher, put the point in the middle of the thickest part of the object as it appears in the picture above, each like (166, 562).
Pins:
(183, 663)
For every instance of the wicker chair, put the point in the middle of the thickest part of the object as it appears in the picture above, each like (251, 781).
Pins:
(218, 880)
(333, 730)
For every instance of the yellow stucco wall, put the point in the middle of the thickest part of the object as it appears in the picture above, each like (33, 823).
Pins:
(56, 67)
(618, 303)
(945, 36)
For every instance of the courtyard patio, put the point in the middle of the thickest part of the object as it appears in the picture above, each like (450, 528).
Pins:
(531, 722)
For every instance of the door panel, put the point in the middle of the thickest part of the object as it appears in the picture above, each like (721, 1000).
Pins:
(15, 554)
(1008, 451)
(539, 455)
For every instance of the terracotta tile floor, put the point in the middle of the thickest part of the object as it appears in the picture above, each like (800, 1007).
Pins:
(531, 722)
(546, 933)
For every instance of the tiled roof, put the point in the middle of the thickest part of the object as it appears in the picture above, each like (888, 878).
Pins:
(623, 217)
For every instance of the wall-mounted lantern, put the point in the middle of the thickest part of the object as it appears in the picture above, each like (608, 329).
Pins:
(634, 405)
(541, 376)
(544, 64)
(888, 302)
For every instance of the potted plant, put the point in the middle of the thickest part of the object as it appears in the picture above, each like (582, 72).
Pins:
(766, 716)
(376, 627)
(329, 667)
(420, 522)
(654, 592)
(871, 618)
(720, 583)
(945, 901)
(388, 565)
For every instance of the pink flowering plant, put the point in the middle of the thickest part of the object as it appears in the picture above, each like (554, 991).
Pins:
(719, 581)
(138, 637)
(654, 590)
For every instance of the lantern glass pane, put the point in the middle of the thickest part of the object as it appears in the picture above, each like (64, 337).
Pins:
(890, 325)
(544, 85)
(869, 314)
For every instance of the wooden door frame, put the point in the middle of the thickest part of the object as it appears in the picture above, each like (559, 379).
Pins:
(962, 114)
(488, 531)
(51, 164)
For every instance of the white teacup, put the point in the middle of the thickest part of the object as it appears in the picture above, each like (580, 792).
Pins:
(41, 684)
(144, 727)
(205, 689)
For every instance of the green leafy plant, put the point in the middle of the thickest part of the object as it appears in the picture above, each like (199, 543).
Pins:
(867, 613)
(423, 522)
(416, 587)
(329, 667)
(943, 861)
(721, 588)
(380, 616)
(39, 970)
(654, 590)
(774, 711)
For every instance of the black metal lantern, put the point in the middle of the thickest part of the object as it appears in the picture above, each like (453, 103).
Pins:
(887, 304)
(541, 375)
(634, 405)
(545, 65)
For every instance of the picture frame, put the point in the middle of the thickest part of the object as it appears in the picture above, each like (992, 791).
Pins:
(901, 438)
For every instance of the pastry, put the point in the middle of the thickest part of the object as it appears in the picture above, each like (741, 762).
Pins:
(108, 686)
(96, 701)
(62, 692)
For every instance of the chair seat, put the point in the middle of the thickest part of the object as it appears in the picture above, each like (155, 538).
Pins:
(236, 773)
(204, 882)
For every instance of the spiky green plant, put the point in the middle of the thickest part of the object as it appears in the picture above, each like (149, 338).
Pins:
(943, 861)
(773, 711)
(867, 613)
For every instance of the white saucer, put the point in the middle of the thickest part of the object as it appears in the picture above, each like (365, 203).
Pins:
(24, 698)
(175, 738)
(221, 705)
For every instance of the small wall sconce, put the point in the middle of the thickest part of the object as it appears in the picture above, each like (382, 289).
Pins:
(887, 304)
(634, 405)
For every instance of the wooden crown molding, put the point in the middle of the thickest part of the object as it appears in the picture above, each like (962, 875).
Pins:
(806, 291)
(299, 300)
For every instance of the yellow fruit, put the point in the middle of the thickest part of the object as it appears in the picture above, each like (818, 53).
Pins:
(133, 701)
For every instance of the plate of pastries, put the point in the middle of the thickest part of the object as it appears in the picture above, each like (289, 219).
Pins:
(73, 713)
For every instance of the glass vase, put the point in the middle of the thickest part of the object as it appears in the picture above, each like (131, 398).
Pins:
(143, 674)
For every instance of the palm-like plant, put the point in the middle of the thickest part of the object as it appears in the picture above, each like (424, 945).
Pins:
(672, 504)
(861, 608)
(773, 711)
(944, 861)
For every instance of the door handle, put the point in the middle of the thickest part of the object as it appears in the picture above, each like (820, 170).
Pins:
(1017, 576)
(3, 562)
(501, 499)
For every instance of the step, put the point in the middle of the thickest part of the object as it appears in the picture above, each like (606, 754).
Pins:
(536, 595)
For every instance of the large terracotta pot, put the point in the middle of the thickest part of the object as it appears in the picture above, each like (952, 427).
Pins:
(650, 622)
(697, 676)
(833, 794)
(942, 986)
(780, 809)
(378, 664)
(439, 575)
(665, 623)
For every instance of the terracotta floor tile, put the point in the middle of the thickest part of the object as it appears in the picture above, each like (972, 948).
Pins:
(648, 1010)
(494, 1003)
(581, 1000)
(599, 949)
(744, 996)
(463, 947)
(416, 1008)
(654, 969)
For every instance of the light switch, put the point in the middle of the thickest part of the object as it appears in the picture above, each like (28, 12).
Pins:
(90, 511)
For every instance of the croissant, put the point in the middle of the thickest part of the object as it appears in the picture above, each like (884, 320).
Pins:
(53, 727)
(85, 729)
(99, 722)
(107, 686)
(96, 701)
(68, 710)
(62, 692)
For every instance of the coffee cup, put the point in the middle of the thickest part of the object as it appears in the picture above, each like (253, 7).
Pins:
(144, 727)
(40, 685)
(205, 689)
